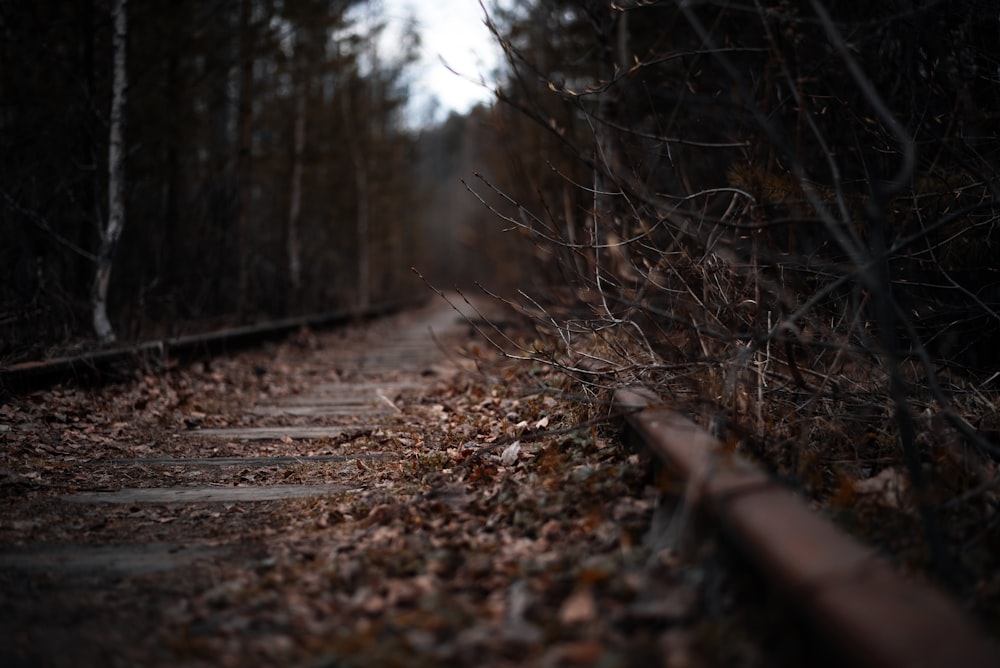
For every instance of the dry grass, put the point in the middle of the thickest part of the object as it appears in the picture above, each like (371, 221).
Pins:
(784, 363)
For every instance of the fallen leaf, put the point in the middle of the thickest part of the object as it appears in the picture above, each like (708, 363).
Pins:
(519, 599)
(578, 608)
(510, 453)
(889, 487)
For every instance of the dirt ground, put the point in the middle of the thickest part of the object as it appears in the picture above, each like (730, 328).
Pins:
(418, 500)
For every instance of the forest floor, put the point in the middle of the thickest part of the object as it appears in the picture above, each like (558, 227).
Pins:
(390, 493)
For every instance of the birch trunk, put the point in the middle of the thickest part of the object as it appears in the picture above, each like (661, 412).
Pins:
(116, 181)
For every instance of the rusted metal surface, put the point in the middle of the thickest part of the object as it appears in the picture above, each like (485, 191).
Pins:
(98, 364)
(874, 615)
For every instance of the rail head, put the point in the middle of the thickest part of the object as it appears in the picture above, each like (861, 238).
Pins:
(854, 596)
(99, 365)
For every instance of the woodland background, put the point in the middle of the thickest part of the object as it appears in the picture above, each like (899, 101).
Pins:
(269, 168)
(741, 117)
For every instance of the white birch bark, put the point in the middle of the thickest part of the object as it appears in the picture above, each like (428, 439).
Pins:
(116, 180)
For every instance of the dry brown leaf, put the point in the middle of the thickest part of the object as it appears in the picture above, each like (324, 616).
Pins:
(889, 488)
(580, 607)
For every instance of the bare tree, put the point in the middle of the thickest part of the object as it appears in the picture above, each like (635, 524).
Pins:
(294, 246)
(782, 228)
(363, 202)
(216, 108)
(116, 180)
(245, 149)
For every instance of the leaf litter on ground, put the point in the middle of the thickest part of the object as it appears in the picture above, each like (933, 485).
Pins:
(488, 532)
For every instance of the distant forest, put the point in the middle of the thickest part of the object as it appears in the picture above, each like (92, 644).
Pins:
(267, 169)
(838, 158)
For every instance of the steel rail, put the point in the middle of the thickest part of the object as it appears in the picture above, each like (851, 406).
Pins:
(98, 365)
(853, 596)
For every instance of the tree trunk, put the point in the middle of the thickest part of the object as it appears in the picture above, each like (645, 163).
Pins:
(244, 153)
(364, 245)
(116, 181)
(361, 186)
(295, 207)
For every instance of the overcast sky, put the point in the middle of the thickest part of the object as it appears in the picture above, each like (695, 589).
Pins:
(451, 30)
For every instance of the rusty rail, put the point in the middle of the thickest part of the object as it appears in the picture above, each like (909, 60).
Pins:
(854, 596)
(95, 365)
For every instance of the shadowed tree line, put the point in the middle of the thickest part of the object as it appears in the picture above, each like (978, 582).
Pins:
(267, 170)
(783, 215)
(745, 126)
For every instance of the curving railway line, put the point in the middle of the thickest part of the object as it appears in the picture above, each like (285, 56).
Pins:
(392, 492)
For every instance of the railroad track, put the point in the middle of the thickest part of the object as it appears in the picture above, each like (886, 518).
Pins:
(388, 494)
(113, 362)
(873, 615)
